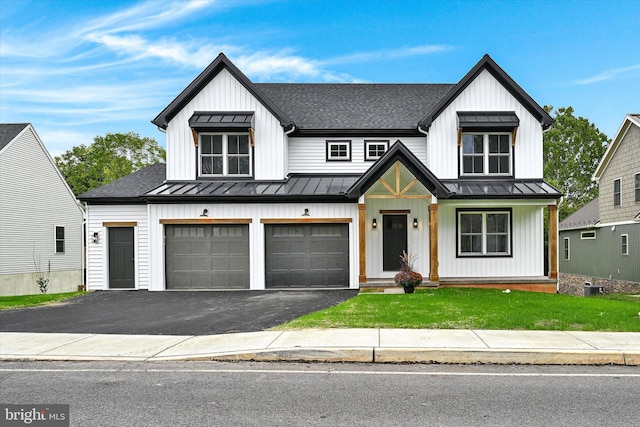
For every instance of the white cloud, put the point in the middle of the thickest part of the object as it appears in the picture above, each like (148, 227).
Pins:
(377, 55)
(610, 75)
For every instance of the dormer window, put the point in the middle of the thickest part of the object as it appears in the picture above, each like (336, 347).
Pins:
(486, 141)
(224, 154)
(486, 154)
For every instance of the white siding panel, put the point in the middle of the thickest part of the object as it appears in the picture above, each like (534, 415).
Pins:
(309, 155)
(417, 238)
(34, 199)
(97, 253)
(527, 250)
(255, 212)
(225, 93)
(485, 93)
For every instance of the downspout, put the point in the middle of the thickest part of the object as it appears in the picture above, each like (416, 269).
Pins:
(286, 148)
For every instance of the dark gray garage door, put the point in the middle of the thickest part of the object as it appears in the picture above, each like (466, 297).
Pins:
(307, 255)
(207, 256)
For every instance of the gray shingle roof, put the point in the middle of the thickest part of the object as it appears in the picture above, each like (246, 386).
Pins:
(355, 106)
(128, 188)
(8, 131)
(586, 216)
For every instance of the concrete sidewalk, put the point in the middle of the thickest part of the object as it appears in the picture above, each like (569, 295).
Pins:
(337, 345)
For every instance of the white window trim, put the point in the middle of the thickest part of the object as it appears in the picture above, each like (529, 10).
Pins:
(55, 239)
(484, 252)
(566, 249)
(367, 143)
(588, 237)
(614, 192)
(339, 142)
(624, 244)
(486, 155)
(225, 154)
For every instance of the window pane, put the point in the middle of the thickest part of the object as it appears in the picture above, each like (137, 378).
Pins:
(504, 144)
(59, 246)
(471, 223)
(206, 166)
(497, 243)
(493, 143)
(472, 143)
(493, 164)
(243, 144)
(478, 164)
(217, 166)
(467, 165)
(232, 144)
(233, 165)
(59, 232)
(637, 188)
(496, 223)
(503, 164)
(206, 144)
(217, 144)
(243, 165)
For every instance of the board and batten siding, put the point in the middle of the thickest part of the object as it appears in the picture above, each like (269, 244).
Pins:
(308, 155)
(34, 199)
(254, 212)
(484, 93)
(417, 238)
(225, 93)
(98, 253)
(527, 244)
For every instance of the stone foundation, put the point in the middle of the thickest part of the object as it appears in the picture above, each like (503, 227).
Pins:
(573, 284)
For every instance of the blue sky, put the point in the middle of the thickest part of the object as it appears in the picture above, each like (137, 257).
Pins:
(77, 69)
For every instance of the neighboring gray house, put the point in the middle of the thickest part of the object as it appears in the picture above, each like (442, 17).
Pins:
(600, 243)
(40, 219)
(306, 186)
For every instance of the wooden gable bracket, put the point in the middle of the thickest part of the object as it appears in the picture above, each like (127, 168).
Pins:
(513, 137)
(195, 137)
(252, 137)
(459, 137)
(397, 192)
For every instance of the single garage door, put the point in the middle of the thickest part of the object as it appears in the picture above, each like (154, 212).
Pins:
(207, 256)
(307, 255)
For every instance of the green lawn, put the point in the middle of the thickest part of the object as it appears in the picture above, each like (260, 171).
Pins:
(31, 300)
(456, 308)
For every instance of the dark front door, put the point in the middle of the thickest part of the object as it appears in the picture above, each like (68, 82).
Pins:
(121, 258)
(394, 240)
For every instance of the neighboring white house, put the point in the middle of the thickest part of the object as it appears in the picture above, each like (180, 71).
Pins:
(40, 219)
(325, 185)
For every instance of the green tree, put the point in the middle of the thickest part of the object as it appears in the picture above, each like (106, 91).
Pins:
(108, 158)
(573, 147)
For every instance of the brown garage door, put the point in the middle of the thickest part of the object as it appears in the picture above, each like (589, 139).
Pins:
(207, 256)
(307, 255)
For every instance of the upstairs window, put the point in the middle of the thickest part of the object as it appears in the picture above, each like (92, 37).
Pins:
(339, 150)
(484, 233)
(375, 149)
(617, 193)
(225, 154)
(485, 154)
(59, 240)
(638, 188)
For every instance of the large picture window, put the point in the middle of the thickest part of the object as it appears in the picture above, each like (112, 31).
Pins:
(225, 154)
(486, 154)
(484, 233)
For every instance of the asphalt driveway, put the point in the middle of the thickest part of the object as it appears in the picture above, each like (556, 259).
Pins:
(171, 313)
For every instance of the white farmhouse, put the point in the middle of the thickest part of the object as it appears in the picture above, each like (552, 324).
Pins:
(307, 186)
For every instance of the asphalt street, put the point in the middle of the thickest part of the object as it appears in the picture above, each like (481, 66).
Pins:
(276, 394)
(171, 313)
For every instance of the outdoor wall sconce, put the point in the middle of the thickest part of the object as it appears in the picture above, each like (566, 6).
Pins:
(306, 212)
(415, 222)
(95, 237)
(374, 223)
(205, 213)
